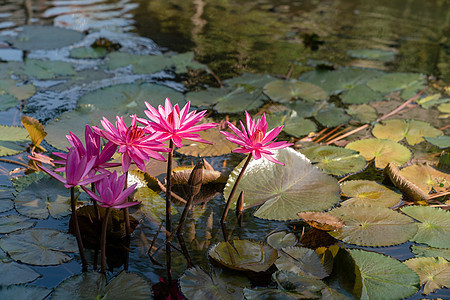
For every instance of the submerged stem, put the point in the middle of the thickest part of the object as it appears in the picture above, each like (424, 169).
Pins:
(169, 212)
(77, 230)
(103, 239)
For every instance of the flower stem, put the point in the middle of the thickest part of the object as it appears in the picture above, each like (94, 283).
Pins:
(103, 239)
(97, 225)
(77, 230)
(233, 190)
(126, 215)
(168, 212)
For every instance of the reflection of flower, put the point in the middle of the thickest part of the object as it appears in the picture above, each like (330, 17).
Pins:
(256, 139)
(111, 192)
(132, 141)
(175, 124)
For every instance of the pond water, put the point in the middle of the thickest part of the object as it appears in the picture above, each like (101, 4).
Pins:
(277, 39)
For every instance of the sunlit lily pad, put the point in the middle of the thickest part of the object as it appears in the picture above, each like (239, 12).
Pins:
(6, 197)
(47, 69)
(88, 52)
(427, 178)
(442, 141)
(360, 94)
(92, 285)
(141, 64)
(284, 190)
(332, 116)
(434, 272)
(153, 206)
(12, 223)
(244, 255)
(412, 130)
(284, 91)
(372, 54)
(15, 273)
(384, 277)
(45, 38)
(373, 226)
(384, 151)
(434, 226)
(410, 82)
(321, 220)
(220, 145)
(44, 197)
(197, 284)
(12, 140)
(423, 251)
(335, 160)
(185, 61)
(370, 193)
(41, 247)
(24, 292)
(281, 239)
(21, 92)
(363, 113)
(301, 261)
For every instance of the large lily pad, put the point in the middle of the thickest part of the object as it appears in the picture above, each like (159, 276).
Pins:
(284, 190)
(373, 226)
(88, 52)
(335, 160)
(250, 81)
(387, 83)
(8, 101)
(363, 113)
(44, 197)
(12, 139)
(332, 116)
(360, 94)
(427, 178)
(21, 92)
(369, 192)
(434, 272)
(12, 223)
(434, 226)
(153, 206)
(185, 61)
(284, 91)
(6, 197)
(41, 247)
(47, 69)
(301, 261)
(384, 277)
(220, 145)
(382, 150)
(412, 130)
(442, 141)
(244, 255)
(292, 123)
(141, 64)
(281, 239)
(424, 251)
(15, 273)
(372, 54)
(24, 292)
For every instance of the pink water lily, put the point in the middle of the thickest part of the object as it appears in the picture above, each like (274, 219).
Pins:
(255, 139)
(175, 124)
(133, 143)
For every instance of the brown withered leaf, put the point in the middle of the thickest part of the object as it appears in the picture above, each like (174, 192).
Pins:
(322, 221)
(35, 130)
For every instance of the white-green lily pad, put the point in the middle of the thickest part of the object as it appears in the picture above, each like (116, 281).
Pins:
(20, 92)
(368, 192)
(434, 272)
(396, 81)
(335, 160)
(372, 54)
(141, 64)
(373, 226)
(382, 150)
(41, 247)
(284, 190)
(88, 52)
(244, 255)
(12, 223)
(434, 226)
(6, 197)
(15, 273)
(363, 113)
(281, 239)
(301, 261)
(24, 292)
(284, 91)
(45, 38)
(332, 116)
(48, 69)
(427, 177)
(360, 94)
(424, 251)
(43, 198)
(185, 61)
(13, 140)
(384, 277)
(412, 130)
(442, 141)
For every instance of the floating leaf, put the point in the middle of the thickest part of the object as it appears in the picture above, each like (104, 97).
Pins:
(12, 223)
(284, 190)
(15, 273)
(373, 54)
(281, 239)
(426, 177)
(321, 220)
(384, 151)
(47, 69)
(367, 192)
(422, 251)
(45, 38)
(434, 226)
(22, 182)
(8, 101)
(373, 226)
(6, 197)
(244, 255)
(250, 81)
(412, 130)
(332, 116)
(41, 247)
(284, 91)
(24, 292)
(20, 92)
(434, 272)
(88, 52)
(301, 261)
(384, 277)
(335, 160)
(298, 127)
(395, 81)
(442, 141)
(220, 145)
(35, 130)
(12, 139)
(141, 64)
(360, 94)
(153, 206)
(363, 113)
(185, 61)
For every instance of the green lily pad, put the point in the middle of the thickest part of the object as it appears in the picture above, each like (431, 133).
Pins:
(48, 69)
(442, 141)
(397, 81)
(281, 239)
(284, 91)
(24, 292)
(141, 64)
(183, 61)
(427, 178)
(292, 123)
(15, 273)
(382, 150)
(431, 100)
(372, 54)
(44, 197)
(373, 226)
(249, 81)
(92, 285)
(20, 92)
(444, 108)
(412, 130)
(7, 69)
(88, 52)
(220, 145)
(12, 139)
(22, 182)
(12, 223)
(434, 272)
(423, 251)
(41, 247)
(304, 109)
(45, 38)
(367, 192)
(197, 284)
(384, 277)
(6, 197)
(363, 113)
(153, 206)
(301, 261)
(284, 190)
(244, 255)
(335, 160)
(8, 101)
(332, 116)
(360, 94)
(434, 226)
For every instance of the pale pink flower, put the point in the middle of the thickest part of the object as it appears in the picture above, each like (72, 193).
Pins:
(256, 139)
(175, 124)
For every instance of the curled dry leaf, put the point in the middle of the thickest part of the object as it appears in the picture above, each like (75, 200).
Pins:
(322, 221)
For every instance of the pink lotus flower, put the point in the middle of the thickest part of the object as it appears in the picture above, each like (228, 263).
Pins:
(111, 191)
(132, 141)
(175, 124)
(256, 139)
